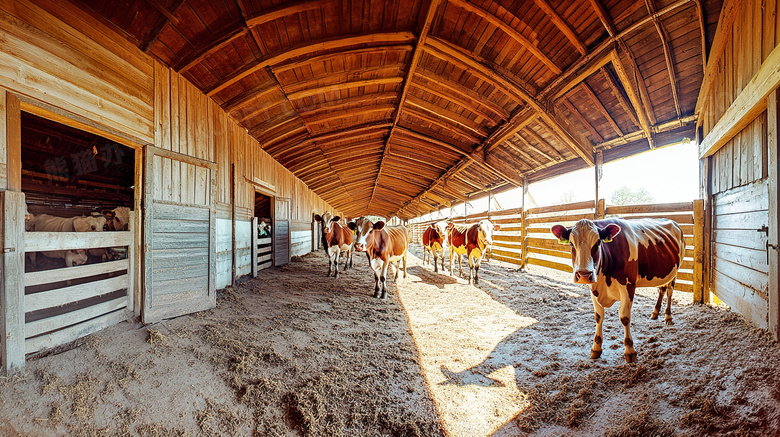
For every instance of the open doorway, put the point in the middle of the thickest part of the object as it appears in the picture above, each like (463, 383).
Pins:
(79, 236)
(263, 246)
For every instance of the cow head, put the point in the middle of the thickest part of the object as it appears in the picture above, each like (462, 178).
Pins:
(117, 219)
(88, 224)
(326, 220)
(485, 232)
(362, 227)
(440, 230)
(585, 239)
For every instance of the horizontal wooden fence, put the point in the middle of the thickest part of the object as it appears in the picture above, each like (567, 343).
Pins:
(525, 237)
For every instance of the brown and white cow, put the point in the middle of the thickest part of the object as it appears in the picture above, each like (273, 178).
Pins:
(435, 242)
(471, 241)
(362, 226)
(338, 240)
(616, 256)
(385, 245)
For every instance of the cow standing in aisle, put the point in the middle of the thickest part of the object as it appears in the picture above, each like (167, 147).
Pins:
(362, 226)
(385, 245)
(471, 241)
(435, 242)
(616, 256)
(338, 239)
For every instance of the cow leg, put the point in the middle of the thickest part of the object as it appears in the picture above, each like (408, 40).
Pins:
(336, 264)
(595, 351)
(668, 314)
(477, 262)
(626, 301)
(442, 261)
(348, 260)
(404, 260)
(471, 268)
(376, 286)
(436, 262)
(383, 278)
(661, 292)
(451, 255)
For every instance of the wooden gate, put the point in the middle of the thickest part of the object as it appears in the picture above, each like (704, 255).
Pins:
(281, 230)
(180, 235)
(262, 250)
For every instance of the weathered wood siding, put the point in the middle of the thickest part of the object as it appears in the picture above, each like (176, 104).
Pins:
(738, 172)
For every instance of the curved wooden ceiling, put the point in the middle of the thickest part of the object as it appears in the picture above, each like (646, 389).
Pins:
(399, 107)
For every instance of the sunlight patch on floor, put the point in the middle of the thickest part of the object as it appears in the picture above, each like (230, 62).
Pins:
(473, 398)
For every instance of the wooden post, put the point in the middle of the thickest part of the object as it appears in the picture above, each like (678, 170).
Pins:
(233, 222)
(10, 141)
(465, 210)
(773, 243)
(254, 246)
(523, 227)
(12, 284)
(698, 250)
(599, 172)
(601, 209)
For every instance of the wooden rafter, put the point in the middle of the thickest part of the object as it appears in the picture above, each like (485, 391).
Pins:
(170, 17)
(728, 14)
(604, 17)
(389, 38)
(600, 107)
(457, 130)
(284, 67)
(613, 86)
(644, 95)
(668, 55)
(563, 26)
(450, 116)
(335, 115)
(347, 103)
(581, 118)
(433, 6)
(343, 86)
(509, 30)
(255, 93)
(219, 41)
(633, 96)
(528, 145)
(703, 33)
(460, 97)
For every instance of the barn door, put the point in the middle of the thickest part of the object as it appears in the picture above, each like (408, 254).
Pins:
(281, 231)
(179, 235)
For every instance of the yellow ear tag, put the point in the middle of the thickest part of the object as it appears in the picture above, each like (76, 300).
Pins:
(607, 240)
(561, 241)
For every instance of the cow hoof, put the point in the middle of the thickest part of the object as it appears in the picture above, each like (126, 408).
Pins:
(669, 321)
(631, 358)
(654, 316)
(594, 355)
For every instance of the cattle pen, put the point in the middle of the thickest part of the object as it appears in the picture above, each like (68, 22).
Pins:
(163, 163)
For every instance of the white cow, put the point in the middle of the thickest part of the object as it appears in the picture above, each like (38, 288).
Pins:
(50, 223)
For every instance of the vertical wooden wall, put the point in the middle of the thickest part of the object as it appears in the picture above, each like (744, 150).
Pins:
(737, 178)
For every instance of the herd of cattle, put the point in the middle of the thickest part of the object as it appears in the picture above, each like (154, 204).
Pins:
(612, 256)
(384, 245)
(116, 219)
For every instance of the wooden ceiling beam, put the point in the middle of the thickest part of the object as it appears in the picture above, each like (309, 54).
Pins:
(433, 7)
(435, 141)
(219, 41)
(414, 111)
(529, 161)
(345, 104)
(456, 91)
(285, 67)
(509, 30)
(170, 17)
(247, 96)
(581, 118)
(309, 48)
(703, 33)
(604, 17)
(538, 138)
(613, 86)
(628, 85)
(336, 115)
(450, 116)
(600, 107)
(728, 14)
(343, 86)
(668, 55)
(563, 26)
(647, 104)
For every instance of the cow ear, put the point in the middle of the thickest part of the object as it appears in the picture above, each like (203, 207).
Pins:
(335, 219)
(609, 232)
(496, 227)
(317, 218)
(379, 225)
(561, 233)
(352, 226)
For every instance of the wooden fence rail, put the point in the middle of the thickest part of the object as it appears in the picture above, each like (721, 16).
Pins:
(525, 238)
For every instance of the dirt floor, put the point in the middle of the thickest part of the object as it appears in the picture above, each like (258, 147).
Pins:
(293, 352)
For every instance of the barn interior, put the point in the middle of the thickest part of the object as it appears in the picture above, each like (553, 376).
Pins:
(263, 208)
(399, 108)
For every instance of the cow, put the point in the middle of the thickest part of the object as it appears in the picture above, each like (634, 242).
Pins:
(435, 242)
(362, 226)
(338, 239)
(615, 256)
(263, 229)
(50, 223)
(471, 241)
(117, 219)
(385, 245)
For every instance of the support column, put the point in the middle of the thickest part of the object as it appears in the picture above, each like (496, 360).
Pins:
(773, 243)
(524, 227)
(599, 170)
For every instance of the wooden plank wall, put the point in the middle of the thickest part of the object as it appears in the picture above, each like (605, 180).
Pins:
(739, 202)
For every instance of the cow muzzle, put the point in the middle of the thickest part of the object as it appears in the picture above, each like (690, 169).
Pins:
(584, 277)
